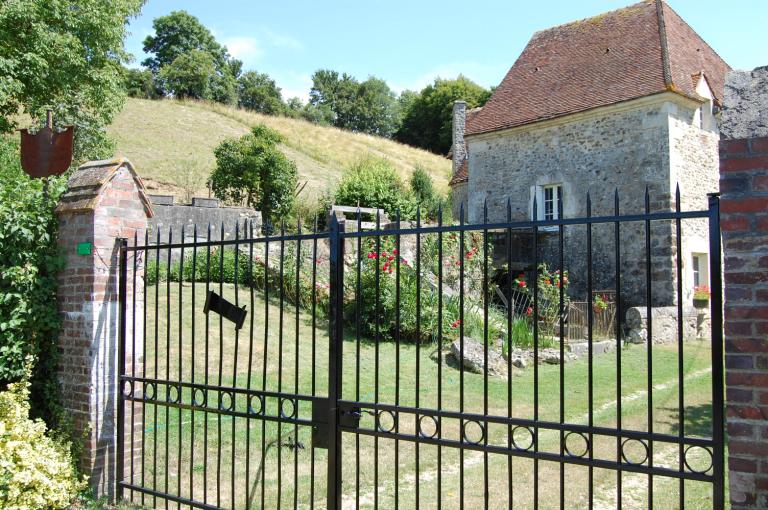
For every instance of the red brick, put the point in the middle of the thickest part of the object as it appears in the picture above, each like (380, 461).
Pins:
(742, 465)
(744, 164)
(758, 145)
(755, 380)
(745, 205)
(735, 223)
(738, 395)
(741, 430)
(746, 345)
(728, 147)
(760, 183)
(746, 412)
(756, 448)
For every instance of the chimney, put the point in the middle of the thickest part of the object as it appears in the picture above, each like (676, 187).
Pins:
(459, 124)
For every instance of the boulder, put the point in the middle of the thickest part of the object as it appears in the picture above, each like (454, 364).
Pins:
(474, 357)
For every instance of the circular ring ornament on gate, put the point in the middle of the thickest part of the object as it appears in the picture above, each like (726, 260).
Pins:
(687, 462)
(199, 397)
(517, 439)
(256, 410)
(150, 391)
(294, 407)
(627, 457)
(423, 431)
(127, 389)
(381, 424)
(465, 432)
(222, 401)
(571, 450)
(172, 394)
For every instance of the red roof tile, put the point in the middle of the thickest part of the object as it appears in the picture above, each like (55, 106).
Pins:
(462, 174)
(636, 51)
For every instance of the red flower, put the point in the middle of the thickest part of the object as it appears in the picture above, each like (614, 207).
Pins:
(386, 266)
(529, 311)
(383, 254)
(521, 284)
(372, 255)
(455, 324)
(391, 258)
(547, 282)
(395, 252)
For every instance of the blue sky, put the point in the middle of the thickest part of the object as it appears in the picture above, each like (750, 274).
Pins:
(409, 43)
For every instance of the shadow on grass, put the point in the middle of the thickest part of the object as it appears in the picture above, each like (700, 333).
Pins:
(697, 420)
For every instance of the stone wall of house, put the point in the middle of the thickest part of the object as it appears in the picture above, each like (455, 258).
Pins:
(694, 165)
(458, 198)
(623, 148)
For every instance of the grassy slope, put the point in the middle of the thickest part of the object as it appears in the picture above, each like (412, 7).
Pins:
(171, 143)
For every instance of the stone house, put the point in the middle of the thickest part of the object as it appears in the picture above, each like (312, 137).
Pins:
(624, 101)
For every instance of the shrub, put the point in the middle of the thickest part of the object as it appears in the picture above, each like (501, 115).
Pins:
(36, 470)
(29, 263)
(373, 182)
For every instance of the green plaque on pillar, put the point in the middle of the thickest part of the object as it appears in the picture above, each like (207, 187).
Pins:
(84, 248)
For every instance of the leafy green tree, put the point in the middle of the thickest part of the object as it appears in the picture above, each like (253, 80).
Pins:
(373, 182)
(179, 35)
(252, 169)
(189, 76)
(428, 119)
(66, 56)
(259, 92)
(141, 83)
(368, 107)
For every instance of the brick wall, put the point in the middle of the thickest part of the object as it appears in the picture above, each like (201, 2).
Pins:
(744, 222)
(104, 202)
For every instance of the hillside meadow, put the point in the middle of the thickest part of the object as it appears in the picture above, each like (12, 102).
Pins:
(171, 144)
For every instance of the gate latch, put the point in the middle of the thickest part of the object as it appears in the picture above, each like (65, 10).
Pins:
(349, 417)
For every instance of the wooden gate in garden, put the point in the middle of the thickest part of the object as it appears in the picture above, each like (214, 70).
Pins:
(322, 369)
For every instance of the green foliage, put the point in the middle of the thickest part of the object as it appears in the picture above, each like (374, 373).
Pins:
(66, 56)
(36, 470)
(141, 83)
(189, 76)
(368, 107)
(177, 34)
(428, 119)
(423, 190)
(253, 169)
(188, 60)
(29, 263)
(373, 182)
(258, 92)
(549, 285)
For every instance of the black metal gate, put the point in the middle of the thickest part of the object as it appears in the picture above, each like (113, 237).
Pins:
(421, 366)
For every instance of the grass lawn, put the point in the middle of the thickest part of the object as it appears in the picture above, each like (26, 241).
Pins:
(225, 465)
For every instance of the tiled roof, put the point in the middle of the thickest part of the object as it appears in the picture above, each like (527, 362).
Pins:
(85, 185)
(633, 52)
(462, 174)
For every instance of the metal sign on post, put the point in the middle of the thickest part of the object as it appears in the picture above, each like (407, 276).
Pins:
(47, 152)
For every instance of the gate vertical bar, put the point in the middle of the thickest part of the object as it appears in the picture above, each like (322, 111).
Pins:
(121, 291)
(716, 281)
(335, 352)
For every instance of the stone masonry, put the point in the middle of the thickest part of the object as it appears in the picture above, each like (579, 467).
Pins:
(744, 222)
(105, 201)
(654, 142)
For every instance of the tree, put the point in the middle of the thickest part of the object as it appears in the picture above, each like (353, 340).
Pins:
(259, 92)
(66, 56)
(428, 120)
(189, 76)
(141, 83)
(180, 35)
(368, 107)
(254, 170)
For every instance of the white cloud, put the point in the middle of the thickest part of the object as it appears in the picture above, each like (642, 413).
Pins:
(246, 49)
(283, 41)
(294, 84)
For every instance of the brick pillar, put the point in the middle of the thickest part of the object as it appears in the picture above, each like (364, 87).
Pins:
(105, 202)
(744, 222)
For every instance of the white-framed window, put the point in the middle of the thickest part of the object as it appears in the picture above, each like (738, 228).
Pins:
(550, 200)
(700, 269)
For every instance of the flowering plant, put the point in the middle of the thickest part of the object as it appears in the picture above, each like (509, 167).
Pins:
(600, 303)
(701, 292)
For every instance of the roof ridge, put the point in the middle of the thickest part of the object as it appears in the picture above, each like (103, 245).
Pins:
(591, 18)
(666, 69)
(692, 29)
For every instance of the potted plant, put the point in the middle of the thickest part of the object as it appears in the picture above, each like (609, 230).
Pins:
(701, 296)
